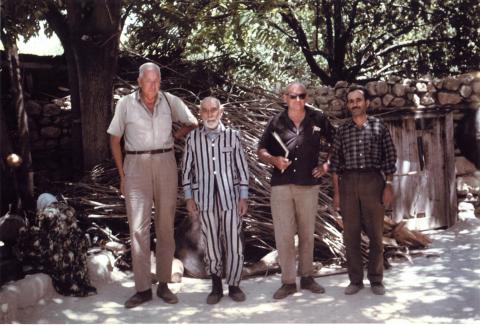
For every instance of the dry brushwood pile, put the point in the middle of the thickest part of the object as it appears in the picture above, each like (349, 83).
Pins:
(97, 199)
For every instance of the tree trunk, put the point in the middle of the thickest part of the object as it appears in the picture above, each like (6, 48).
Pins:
(6, 176)
(23, 174)
(95, 79)
(90, 34)
(94, 38)
(76, 128)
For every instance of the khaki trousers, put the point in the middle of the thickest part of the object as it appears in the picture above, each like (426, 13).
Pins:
(151, 180)
(361, 209)
(294, 209)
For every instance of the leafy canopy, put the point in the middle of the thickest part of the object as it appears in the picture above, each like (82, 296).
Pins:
(331, 40)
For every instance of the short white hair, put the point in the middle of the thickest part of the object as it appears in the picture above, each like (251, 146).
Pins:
(296, 84)
(149, 66)
(211, 99)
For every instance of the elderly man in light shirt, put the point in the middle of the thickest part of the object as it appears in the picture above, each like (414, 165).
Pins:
(148, 175)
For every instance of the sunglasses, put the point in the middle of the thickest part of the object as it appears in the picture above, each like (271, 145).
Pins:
(299, 96)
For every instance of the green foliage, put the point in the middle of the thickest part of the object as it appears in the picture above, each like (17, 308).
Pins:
(226, 36)
(275, 41)
(20, 17)
(267, 42)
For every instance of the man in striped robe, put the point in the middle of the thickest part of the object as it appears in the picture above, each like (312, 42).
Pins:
(215, 183)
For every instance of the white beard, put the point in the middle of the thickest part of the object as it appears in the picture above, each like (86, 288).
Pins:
(212, 124)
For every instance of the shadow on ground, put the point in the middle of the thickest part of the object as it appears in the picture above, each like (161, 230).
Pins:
(440, 287)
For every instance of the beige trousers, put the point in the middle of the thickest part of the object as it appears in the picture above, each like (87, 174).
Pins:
(294, 209)
(151, 180)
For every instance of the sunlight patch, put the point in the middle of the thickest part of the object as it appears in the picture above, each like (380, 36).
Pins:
(129, 284)
(110, 304)
(112, 320)
(80, 317)
(181, 314)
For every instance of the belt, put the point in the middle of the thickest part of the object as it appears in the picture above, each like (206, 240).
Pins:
(152, 152)
(362, 170)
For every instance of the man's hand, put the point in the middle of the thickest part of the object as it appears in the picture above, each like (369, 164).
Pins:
(242, 207)
(281, 163)
(192, 208)
(336, 201)
(387, 195)
(336, 192)
(320, 170)
(183, 131)
(122, 185)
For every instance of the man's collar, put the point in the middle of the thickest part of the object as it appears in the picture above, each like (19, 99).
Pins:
(139, 98)
(350, 122)
(220, 128)
(308, 115)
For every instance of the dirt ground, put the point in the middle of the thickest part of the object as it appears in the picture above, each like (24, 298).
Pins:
(440, 286)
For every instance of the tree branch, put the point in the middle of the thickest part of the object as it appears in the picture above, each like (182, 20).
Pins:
(351, 24)
(57, 22)
(388, 40)
(289, 18)
(411, 43)
(284, 32)
(123, 18)
(329, 28)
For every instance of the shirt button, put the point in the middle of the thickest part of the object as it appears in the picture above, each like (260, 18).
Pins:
(361, 154)
(215, 172)
(294, 170)
(213, 158)
(360, 141)
(296, 158)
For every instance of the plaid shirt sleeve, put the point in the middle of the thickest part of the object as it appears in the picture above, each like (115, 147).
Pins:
(389, 154)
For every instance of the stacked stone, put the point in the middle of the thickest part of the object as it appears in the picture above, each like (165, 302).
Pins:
(468, 188)
(50, 140)
(49, 126)
(395, 93)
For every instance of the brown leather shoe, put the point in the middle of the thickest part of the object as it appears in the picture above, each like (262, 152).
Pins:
(214, 297)
(236, 293)
(217, 290)
(164, 293)
(378, 288)
(308, 283)
(285, 290)
(353, 288)
(139, 298)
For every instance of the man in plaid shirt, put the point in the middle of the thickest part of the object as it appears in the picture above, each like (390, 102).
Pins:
(362, 165)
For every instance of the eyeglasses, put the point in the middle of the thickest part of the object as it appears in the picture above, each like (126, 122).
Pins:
(299, 96)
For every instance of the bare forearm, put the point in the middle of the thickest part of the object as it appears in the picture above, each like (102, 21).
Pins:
(389, 178)
(335, 182)
(265, 157)
(117, 154)
(184, 130)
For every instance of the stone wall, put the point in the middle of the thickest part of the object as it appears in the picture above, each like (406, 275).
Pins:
(50, 133)
(396, 93)
(50, 122)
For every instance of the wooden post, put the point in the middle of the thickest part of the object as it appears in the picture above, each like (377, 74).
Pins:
(450, 180)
